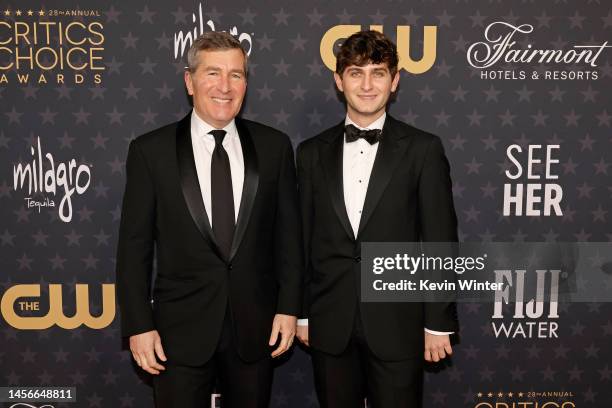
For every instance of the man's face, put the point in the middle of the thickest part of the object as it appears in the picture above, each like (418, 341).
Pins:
(218, 86)
(367, 89)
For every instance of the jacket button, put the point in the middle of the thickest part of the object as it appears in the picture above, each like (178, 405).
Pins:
(357, 259)
(230, 267)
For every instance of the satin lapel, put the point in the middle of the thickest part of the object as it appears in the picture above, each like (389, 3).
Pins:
(190, 184)
(249, 187)
(332, 165)
(390, 152)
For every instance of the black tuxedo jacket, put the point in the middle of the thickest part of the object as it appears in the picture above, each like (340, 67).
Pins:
(409, 199)
(164, 217)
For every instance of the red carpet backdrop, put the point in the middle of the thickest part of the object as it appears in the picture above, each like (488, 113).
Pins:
(518, 91)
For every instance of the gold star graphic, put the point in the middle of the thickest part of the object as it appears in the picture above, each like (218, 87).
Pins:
(479, 395)
(18, 13)
(520, 394)
(510, 394)
(30, 12)
(7, 12)
(41, 12)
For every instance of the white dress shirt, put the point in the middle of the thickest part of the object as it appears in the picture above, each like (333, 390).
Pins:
(203, 145)
(357, 163)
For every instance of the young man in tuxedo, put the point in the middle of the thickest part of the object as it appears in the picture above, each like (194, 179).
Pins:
(370, 178)
(214, 199)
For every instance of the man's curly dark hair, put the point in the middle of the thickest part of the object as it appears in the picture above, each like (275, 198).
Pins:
(367, 47)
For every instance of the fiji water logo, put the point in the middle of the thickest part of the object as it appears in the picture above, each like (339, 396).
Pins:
(46, 177)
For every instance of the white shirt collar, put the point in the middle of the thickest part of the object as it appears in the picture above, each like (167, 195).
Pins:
(201, 127)
(377, 124)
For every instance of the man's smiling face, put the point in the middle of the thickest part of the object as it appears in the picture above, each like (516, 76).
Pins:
(218, 85)
(367, 89)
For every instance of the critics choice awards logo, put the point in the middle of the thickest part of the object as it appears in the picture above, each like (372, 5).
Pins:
(51, 46)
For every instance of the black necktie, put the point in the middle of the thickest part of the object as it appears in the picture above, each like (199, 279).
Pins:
(353, 134)
(222, 196)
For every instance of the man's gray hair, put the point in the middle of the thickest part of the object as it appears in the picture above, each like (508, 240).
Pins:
(213, 41)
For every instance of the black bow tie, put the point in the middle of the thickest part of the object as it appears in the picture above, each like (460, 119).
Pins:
(353, 133)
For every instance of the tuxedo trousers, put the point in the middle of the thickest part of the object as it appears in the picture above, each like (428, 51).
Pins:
(345, 379)
(241, 384)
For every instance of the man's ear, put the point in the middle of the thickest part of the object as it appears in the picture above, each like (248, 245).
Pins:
(395, 82)
(188, 82)
(338, 80)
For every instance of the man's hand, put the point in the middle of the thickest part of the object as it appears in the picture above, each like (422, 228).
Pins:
(302, 334)
(285, 325)
(144, 346)
(437, 347)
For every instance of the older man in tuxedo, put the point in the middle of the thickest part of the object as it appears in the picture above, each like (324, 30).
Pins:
(213, 199)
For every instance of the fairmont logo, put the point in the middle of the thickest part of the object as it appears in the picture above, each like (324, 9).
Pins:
(500, 46)
(45, 176)
(184, 39)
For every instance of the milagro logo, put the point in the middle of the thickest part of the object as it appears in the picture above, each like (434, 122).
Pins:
(46, 177)
(500, 46)
(184, 39)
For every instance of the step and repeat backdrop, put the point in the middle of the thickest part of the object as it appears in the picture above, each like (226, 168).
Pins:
(519, 92)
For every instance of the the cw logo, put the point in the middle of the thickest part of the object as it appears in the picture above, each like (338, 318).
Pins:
(56, 313)
(403, 46)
